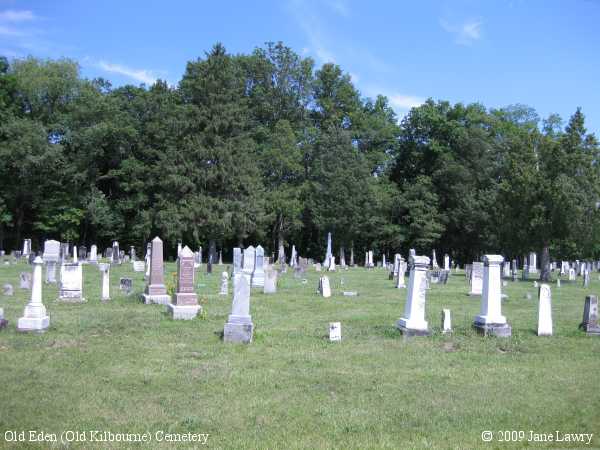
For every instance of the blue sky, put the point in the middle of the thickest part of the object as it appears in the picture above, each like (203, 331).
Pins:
(541, 53)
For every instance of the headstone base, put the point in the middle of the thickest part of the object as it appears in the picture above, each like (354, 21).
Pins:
(238, 331)
(69, 299)
(156, 299)
(183, 312)
(39, 324)
(410, 332)
(493, 329)
(590, 330)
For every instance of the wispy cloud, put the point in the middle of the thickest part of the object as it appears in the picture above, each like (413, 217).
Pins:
(339, 7)
(404, 102)
(310, 23)
(466, 33)
(141, 75)
(16, 16)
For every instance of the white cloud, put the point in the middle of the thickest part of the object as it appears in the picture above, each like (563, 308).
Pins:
(405, 102)
(467, 33)
(16, 16)
(7, 31)
(141, 75)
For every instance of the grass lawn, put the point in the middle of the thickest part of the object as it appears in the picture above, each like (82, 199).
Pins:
(125, 367)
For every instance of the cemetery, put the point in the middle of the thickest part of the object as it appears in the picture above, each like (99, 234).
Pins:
(297, 352)
(299, 224)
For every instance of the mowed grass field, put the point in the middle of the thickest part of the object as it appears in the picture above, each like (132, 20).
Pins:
(125, 367)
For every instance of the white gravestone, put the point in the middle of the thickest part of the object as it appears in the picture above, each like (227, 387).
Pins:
(224, 284)
(446, 321)
(248, 261)
(331, 267)
(139, 266)
(335, 331)
(545, 311)
(51, 251)
(490, 319)
(258, 275)
(413, 323)
(93, 257)
(477, 274)
(185, 301)
(324, 287)
(35, 317)
(105, 270)
(237, 260)
(400, 283)
(239, 326)
(270, 281)
(71, 283)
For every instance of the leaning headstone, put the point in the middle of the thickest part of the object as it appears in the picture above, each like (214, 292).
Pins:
(35, 317)
(446, 321)
(239, 326)
(71, 283)
(545, 311)
(185, 301)
(335, 331)
(105, 270)
(25, 280)
(271, 281)
(413, 323)
(258, 275)
(324, 287)
(490, 319)
(590, 316)
(126, 285)
(8, 290)
(224, 284)
(477, 274)
(156, 292)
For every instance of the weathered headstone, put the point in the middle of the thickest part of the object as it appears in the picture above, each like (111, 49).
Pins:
(586, 278)
(185, 301)
(248, 261)
(35, 317)
(237, 260)
(25, 280)
(545, 311)
(324, 287)
(105, 271)
(590, 316)
(239, 326)
(400, 283)
(71, 283)
(571, 274)
(413, 323)
(93, 256)
(8, 290)
(3, 321)
(258, 275)
(139, 266)
(335, 331)
(26, 247)
(318, 267)
(126, 285)
(116, 253)
(331, 267)
(490, 319)
(51, 251)
(328, 253)
(224, 284)
(532, 266)
(446, 321)
(156, 292)
(271, 281)
(477, 274)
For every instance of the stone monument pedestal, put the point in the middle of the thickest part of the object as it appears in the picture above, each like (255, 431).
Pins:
(407, 330)
(157, 295)
(493, 329)
(238, 329)
(183, 312)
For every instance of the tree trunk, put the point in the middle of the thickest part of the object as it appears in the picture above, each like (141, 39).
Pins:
(545, 263)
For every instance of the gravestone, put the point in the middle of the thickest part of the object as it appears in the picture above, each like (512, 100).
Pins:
(446, 321)
(532, 266)
(64, 251)
(258, 275)
(25, 280)
(139, 266)
(248, 260)
(132, 255)
(51, 272)
(3, 321)
(294, 257)
(51, 251)
(147, 260)
(116, 253)
(400, 283)
(71, 283)
(558, 282)
(324, 287)
(224, 284)
(105, 271)
(26, 247)
(331, 267)
(237, 260)
(477, 278)
(571, 274)
(75, 255)
(590, 316)
(586, 278)
(35, 317)
(220, 257)
(434, 263)
(93, 258)
(239, 326)
(8, 290)
(317, 267)
(342, 258)
(126, 285)
(490, 319)
(83, 252)
(352, 264)
(185, 303)
(544, 311)
(335, 331)
(413, 323)
(328, 253)
(271, 281)
(156, 292)
(446, 262)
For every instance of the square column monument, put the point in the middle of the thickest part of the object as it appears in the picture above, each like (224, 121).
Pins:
(490, 319)
(35, 317)
(239, 326)
(156, 292)
(413, 323)
(185, 301)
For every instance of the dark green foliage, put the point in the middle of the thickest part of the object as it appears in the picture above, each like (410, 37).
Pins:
(267, 148)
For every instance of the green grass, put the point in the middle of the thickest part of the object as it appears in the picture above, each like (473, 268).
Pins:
(126, 367)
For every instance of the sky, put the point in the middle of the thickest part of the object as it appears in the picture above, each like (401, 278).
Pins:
(545, 54)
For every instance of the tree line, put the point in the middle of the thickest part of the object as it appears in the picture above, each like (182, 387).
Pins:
(268, 148)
